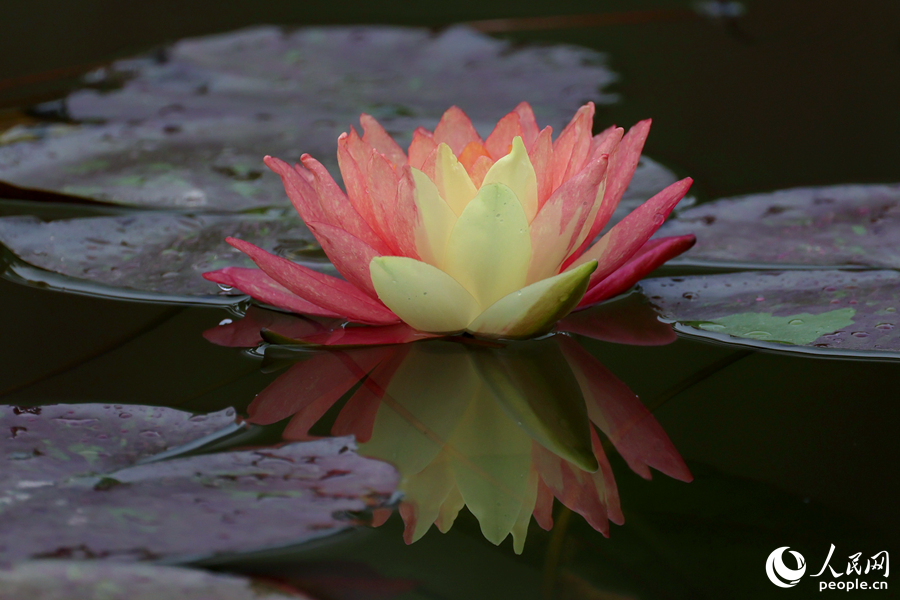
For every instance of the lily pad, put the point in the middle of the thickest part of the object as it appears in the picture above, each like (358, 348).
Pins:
(190, 126)
(58, 579)
(199, 164)
(51, 443)
(844, 225)
(832, 312)
(147, 255)
(403, 76)
(198, 506)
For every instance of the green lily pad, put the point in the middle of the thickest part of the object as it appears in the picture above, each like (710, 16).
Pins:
(189, 128)
(151, 255)
(55, 579)
(200, 164)
(403, 76)
(51, 443)
(844, 225)
(179, 508)
(832, 312)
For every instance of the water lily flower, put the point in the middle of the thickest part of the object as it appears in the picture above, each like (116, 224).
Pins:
(491, 237)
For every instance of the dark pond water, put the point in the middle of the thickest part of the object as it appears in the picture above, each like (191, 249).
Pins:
(783, 448)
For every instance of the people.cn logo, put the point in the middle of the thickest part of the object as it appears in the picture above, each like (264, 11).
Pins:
(779, 573)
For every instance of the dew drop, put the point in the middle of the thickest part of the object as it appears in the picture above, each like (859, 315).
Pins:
(885, 326)
(225, 322)
(860, 334)
(760, 298)
(795, 322)
(690, 295)
(225, 288)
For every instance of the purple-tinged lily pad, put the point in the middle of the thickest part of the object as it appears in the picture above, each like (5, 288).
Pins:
(148, 255)
(47, 444)
(833, 312)
(199, 164)
(199, 506)
(403, 76)
(71, 579)
(844, 225)
(190, 131)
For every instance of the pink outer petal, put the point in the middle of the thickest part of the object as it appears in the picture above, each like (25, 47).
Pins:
(299, 189)
(328, 292)
(628, 321)
(541, 156)
(349, 255)
(263, 288)
(618, 412)
(375, 135)
(313, 384)
(353, 160)
(244, 333)
(422, 145)
(358, 415)
(405, 220)
(572, 201)
(649, 257)
(571, 148)
(455, 129)
(337, 206)
(498, 143)
(628, 235)
(623, 162)
(381, 187)
(400, 333)
(528, 123)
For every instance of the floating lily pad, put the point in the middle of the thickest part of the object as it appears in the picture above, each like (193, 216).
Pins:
(58, 579)
(190, 126)
(200, 164)
(838, 312)
(148, 255)
(51, 443)
(843, 225)
(198, 506)
(403, 76)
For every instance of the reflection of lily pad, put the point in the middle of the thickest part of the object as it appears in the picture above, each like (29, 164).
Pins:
(828, 226)
(154, 255)
(46, 444)
(47, 579)
(844, 312)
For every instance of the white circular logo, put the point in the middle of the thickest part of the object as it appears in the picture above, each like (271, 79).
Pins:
(779, 573)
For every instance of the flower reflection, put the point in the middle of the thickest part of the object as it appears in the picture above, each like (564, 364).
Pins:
(501, 428)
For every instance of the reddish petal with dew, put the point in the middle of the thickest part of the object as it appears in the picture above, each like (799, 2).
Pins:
(456, 130)
(651, 255)
(498, 144)
(571, 148)
(422, 146)
(628, 235)
(379, 139)
(622, 165)
(337, 207)
(349, 255)
(528, 123)
(322, 290)
(256, 284)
